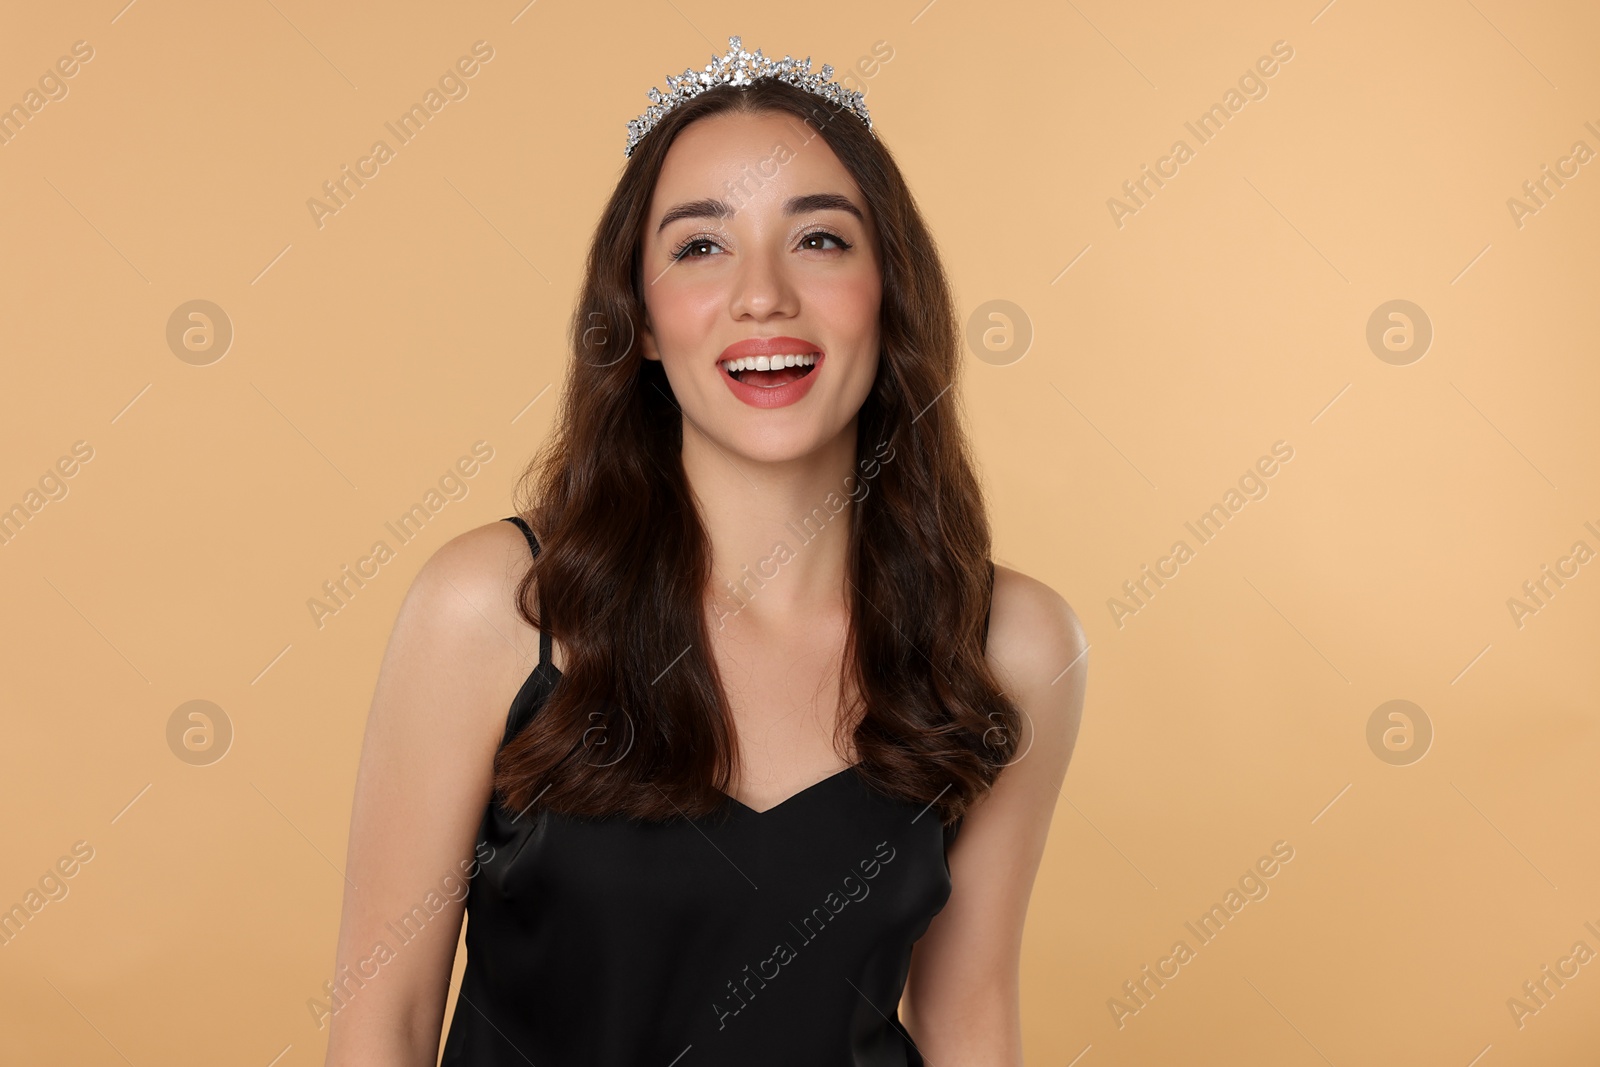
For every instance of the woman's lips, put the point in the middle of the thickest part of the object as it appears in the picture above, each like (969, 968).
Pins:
(768, 346)
(772, 396)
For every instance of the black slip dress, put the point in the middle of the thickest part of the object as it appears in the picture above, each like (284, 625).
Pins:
(778, 938)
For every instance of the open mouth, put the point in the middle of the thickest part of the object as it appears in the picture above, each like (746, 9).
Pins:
(770, 372)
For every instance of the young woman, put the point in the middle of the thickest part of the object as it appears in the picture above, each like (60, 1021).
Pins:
(777, 786)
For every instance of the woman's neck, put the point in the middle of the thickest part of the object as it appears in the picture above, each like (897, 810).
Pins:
(779, 532)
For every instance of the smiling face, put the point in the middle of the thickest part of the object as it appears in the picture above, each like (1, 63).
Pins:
(759, 246)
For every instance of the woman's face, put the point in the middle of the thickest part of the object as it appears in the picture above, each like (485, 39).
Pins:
(757, 234)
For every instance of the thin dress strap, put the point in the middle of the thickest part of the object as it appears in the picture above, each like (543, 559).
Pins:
(533, 546)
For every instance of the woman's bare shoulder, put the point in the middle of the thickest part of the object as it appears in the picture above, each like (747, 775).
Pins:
(1033, 632)
(461, 613)
(476, 575)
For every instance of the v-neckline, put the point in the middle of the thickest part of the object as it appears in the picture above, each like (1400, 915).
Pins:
(735, 801)
(786, 801)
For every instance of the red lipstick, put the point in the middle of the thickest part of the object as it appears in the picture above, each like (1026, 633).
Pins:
(790, 386)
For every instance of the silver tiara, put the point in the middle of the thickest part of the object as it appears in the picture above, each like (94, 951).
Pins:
(738, 67)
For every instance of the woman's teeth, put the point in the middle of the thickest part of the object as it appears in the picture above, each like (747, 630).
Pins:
(769, 362)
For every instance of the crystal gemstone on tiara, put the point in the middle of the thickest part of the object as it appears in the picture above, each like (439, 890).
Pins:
(739, 67)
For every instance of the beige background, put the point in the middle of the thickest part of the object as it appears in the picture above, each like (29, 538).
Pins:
(1168, 354)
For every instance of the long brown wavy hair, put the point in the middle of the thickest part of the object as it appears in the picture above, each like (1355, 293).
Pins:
(638, 724)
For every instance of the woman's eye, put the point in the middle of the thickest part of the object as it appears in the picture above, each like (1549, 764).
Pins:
(693, 242)
(823, 234)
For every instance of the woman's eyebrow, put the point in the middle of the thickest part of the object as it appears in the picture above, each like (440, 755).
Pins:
(712, 208)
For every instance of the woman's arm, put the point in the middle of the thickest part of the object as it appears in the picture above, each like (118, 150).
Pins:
(962, 1003)
(456, 657)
